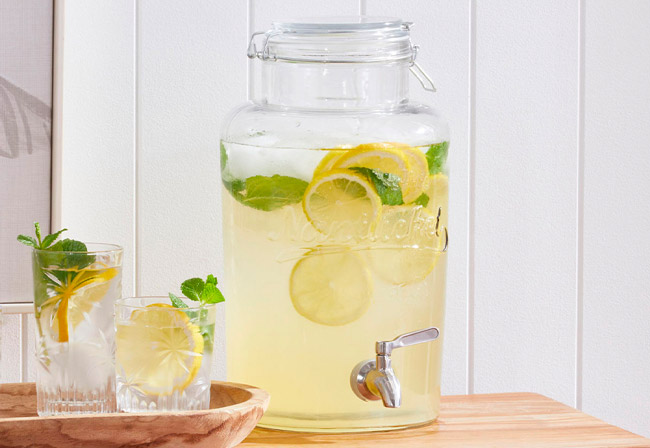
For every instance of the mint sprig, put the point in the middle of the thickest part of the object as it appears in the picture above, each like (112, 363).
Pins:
(39, 243)
(205, 292)
(198, 290)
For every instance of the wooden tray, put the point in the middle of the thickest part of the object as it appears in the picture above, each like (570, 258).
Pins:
(234, 411)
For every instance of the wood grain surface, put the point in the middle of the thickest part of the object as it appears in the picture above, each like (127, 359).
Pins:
(234, 411)
(477, 421)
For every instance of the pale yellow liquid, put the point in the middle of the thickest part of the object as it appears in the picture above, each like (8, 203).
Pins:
(305, 365)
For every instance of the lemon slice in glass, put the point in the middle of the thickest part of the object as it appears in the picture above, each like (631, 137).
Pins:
(159, 349)
(384, 159)
(418, 179)
(331, 287)
(438, 192)
(327, 162)
(63, 312)
(342, 204)
(407, 244)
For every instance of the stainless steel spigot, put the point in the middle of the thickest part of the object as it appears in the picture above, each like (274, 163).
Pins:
(375, 379)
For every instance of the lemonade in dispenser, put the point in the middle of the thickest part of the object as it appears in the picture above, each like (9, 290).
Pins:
(335, 205)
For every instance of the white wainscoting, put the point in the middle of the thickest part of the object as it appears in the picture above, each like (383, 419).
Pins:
(549, 103)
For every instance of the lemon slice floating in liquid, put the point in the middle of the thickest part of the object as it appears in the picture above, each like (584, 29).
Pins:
(418, 179)
(160, 349)
(438, 191)
(342, 204)
(384, 159)
(407, 247)
(327, 162)
(331, 287)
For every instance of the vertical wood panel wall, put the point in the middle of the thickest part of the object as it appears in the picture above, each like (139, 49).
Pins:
(549, 106)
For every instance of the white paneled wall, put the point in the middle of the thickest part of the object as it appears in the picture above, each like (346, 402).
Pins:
(549, 104)
(525, 203)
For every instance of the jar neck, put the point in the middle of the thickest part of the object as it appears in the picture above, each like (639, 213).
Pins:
(334, 86)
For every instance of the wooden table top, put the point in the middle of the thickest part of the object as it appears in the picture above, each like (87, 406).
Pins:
(491, 420)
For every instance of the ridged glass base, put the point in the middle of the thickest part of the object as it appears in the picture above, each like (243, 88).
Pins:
(75, 401)
(177, 401)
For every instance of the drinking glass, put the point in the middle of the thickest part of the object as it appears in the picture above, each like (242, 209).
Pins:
(164, 355)
(74, 295)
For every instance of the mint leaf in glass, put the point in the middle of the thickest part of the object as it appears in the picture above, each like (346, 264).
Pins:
(37, 229)
(211, 294)
(192, 288)
(422, 200)
(270, 193)
(176, 301)
(28, 241)
(437, 157)
(198, 290)
(386, 184)
(48, 240)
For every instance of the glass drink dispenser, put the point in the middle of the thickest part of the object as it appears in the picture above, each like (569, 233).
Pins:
(335, 194)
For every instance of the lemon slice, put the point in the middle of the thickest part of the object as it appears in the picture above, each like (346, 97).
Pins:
(408, 245)
(380, 145)
(328, 161)
(438, 192)
(159, 350)
(75, 298)
(84, 300)
(342, 204)
(331, 287)
(386, 160)
(418, 180)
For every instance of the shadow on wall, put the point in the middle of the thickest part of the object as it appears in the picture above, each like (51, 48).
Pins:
(22, 116)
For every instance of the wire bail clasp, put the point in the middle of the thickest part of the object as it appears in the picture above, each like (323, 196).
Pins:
(425, 80)
(252, 52)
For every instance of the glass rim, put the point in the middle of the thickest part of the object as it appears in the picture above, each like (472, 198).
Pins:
(122, 302)
(107, 248)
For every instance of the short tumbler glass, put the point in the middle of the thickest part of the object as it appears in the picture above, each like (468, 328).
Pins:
(74, 296)
(164, 355)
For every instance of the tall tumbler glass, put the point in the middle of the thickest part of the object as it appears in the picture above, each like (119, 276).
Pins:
(74, 296)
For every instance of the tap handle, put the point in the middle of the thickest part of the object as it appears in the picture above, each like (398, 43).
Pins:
(415, 337)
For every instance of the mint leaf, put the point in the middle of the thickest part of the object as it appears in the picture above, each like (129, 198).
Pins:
(28, 241)
(208, 337)
(73, 260)
(193, 288)
(48, 240)
(269, 193)
(211, 294)
(69, 245)
(386, 184)
(176, 301)
(37, 229)
(223, 158)
(211, 279)
(422, 200)
(437, 157)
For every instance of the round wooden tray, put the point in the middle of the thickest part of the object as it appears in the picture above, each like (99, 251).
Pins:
(234, 411)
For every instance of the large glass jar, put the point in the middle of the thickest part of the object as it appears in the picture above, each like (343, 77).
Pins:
(335, 228)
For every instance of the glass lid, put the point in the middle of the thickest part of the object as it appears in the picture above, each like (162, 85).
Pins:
(358, 39)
